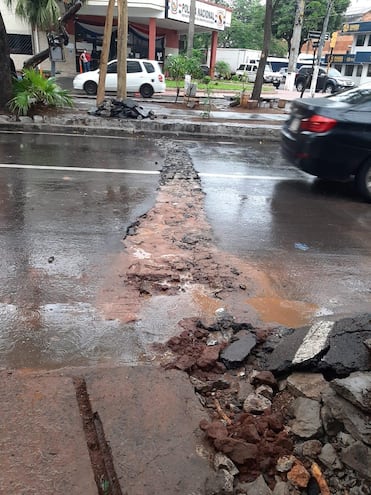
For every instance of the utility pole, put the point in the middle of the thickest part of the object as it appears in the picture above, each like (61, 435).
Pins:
(191, 28)
(105, 52)
(295, 45)
(321, 43)
(122, 48)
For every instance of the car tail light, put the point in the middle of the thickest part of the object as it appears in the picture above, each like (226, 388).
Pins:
(317, 123)
(160, 77)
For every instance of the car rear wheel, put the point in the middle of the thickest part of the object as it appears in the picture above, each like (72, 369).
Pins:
(300, 86)
(146, 91)
(363, 181)
(90, 88)
(329, 88)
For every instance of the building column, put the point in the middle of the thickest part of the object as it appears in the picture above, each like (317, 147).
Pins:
(214, 46)
(152, 39)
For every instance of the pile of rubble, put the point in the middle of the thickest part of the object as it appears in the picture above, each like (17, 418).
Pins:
(121, 109)
(291, 432)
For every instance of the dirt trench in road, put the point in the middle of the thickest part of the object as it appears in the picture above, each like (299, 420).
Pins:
(170, 267)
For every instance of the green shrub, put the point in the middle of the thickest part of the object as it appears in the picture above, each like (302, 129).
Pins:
(34, 91)
(235, 77)
(206, 80)
(223, 69)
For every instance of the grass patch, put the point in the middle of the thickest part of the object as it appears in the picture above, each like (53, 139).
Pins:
(222, 85)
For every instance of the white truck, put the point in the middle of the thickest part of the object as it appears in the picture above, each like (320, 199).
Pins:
(234, 57)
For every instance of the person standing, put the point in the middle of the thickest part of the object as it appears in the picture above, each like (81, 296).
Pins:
(88, 60)
(83, 62)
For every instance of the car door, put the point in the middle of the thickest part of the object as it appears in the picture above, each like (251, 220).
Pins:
(134, 75)
(322, 78)
(251, 72)
(111, 76)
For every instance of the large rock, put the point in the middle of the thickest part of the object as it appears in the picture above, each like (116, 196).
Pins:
(358, 457)
(356, 388)
(329, 457)
(356, 422)
(237, 450)
(257, 487)
(307, 385)
(307, 422)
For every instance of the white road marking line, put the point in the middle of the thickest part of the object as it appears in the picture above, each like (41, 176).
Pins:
(237, 176)
(142, 172)
(80, 169)
(314, 342)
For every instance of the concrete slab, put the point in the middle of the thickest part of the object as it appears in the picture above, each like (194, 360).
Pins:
(42, 444)
(150, 419)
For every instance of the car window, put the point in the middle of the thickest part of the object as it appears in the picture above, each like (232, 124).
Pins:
(149, 67)
(334, 72)
(133, 66)
(112, 68)
(354, 96)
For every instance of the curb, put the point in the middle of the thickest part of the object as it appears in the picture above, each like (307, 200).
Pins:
(146, 128)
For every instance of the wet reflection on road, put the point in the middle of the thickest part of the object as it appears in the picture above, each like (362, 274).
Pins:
(58, 233)
(310, 238)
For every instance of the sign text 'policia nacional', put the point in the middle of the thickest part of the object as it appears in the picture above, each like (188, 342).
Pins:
(212, 16)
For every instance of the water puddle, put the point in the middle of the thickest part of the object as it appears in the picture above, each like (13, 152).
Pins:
(285, 312)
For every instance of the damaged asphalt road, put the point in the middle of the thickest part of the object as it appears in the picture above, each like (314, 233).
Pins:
(249, 419)
(302, 441)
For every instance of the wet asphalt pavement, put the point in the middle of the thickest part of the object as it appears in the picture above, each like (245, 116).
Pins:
(59, 230)
(61, 227)
(310, 237)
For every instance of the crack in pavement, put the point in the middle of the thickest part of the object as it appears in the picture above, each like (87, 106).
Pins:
(170, 250)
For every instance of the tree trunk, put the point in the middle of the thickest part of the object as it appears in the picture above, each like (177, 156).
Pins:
(294, 47)
(122, 48)
(105, 52)
(191, 28)
(264, 55)
(6, 78)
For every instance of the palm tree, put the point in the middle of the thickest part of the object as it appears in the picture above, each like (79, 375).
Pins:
(41, 14)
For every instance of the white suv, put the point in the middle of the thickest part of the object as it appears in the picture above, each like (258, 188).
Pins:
(142, 76)
(249, 71)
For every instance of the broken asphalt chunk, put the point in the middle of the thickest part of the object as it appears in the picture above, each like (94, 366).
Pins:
(336, 348)
(236, 352)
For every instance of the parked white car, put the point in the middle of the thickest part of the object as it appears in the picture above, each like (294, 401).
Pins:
(142, 76)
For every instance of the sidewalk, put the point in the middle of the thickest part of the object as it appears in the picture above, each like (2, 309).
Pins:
(134, 431)
(172, 119)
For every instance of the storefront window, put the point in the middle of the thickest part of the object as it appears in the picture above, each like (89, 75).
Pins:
(369, 70)
(349, 70)
(359, 71)
(369, 40)
(361, 38)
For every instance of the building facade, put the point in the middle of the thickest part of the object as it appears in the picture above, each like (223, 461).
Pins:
(156, 29)
(356, 63)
